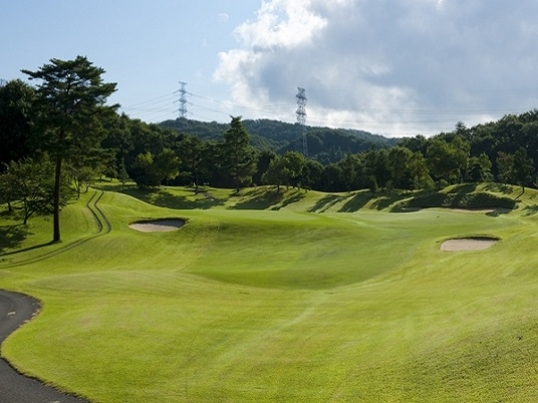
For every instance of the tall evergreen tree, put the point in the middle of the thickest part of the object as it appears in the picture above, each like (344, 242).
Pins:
(70, 100)
(239, 156)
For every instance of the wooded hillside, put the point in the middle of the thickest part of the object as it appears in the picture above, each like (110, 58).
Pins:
(324, 144)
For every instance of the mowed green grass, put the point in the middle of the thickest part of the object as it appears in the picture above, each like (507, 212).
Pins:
(257, 300)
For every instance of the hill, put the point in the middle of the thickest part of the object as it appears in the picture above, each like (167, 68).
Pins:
(324, 144)
(292, 297)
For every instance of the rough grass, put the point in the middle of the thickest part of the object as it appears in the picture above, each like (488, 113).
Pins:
(259, 299)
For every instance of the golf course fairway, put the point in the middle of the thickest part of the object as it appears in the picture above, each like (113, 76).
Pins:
(301, 297)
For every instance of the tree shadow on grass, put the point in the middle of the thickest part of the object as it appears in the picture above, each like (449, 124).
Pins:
(258, 199)
(499, 211)
(386, 201)
(356, 202)
(463, 188)
(530, 210)
(326, 203)
(499, 187)
(296, 196)
(261, 199)
(163, 198)
(11, 237)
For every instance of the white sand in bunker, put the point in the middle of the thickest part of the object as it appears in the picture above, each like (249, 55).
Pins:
(158, 225)
(463, 244)
(476, 211)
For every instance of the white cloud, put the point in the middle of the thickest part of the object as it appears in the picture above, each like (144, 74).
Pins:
(389, 66)
(281, 24)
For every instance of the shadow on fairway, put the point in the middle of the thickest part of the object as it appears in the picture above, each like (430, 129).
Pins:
(391, 198)
(530, 210)
(498, 187)
(464, 188)
(326, 203)
(163, 198)
(356, 202)
(293, 198)
(261, 199)
(11, 237)
(499, 211)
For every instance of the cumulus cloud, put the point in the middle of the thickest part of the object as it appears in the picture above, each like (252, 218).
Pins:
(393, 67)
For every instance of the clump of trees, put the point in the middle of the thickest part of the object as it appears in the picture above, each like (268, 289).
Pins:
(60, 118)
(60, 135)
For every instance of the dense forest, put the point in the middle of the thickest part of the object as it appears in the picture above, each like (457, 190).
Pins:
(52, 130)
(324, 144)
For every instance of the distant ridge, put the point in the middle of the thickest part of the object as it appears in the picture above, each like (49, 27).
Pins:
(324, 144)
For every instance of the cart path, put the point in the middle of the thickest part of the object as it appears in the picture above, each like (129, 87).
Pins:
(15, 310)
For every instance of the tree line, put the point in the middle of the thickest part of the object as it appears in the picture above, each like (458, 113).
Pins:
(59, 135)
(325, 144)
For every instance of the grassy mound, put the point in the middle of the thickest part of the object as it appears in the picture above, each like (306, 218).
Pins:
(477, 200)
(460, 197)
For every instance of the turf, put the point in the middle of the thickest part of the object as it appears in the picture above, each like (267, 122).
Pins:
(277, 297)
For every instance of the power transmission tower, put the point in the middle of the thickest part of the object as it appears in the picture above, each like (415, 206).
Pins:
(2, 82)
(301, 117)
(182, 100)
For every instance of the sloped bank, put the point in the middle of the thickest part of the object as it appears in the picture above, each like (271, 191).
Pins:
(470, 201)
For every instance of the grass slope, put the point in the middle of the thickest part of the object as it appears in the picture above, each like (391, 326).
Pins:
(264, 297)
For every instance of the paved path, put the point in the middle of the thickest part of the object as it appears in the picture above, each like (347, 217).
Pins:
(15, 309)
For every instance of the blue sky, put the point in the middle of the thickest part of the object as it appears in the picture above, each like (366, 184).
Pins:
(146, 47)
(393, 67)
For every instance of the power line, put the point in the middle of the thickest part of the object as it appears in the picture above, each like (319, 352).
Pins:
(149, 101)
(375, 119)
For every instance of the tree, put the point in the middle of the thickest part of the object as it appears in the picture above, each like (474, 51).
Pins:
(152, 170)
(376, 168)
(515, 168)
(330, 178)
(239, 157)
(193, 152)
(264, 160)
(505, 165)
(523, 168)
(399, 160)
(479, 169)
(70, 101)
(33, 185)
(144, 174)
(83, 176)
(311, 174)
(167, 165)
(418, 143)
(15, 101)
(352, 171)
(293, 163)
(8, 188)
(448, 161)
(418, 169)
(275, 173)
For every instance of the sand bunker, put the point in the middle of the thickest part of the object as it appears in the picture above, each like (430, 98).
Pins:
(158, 225)
(476, 211)
(463, 244)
